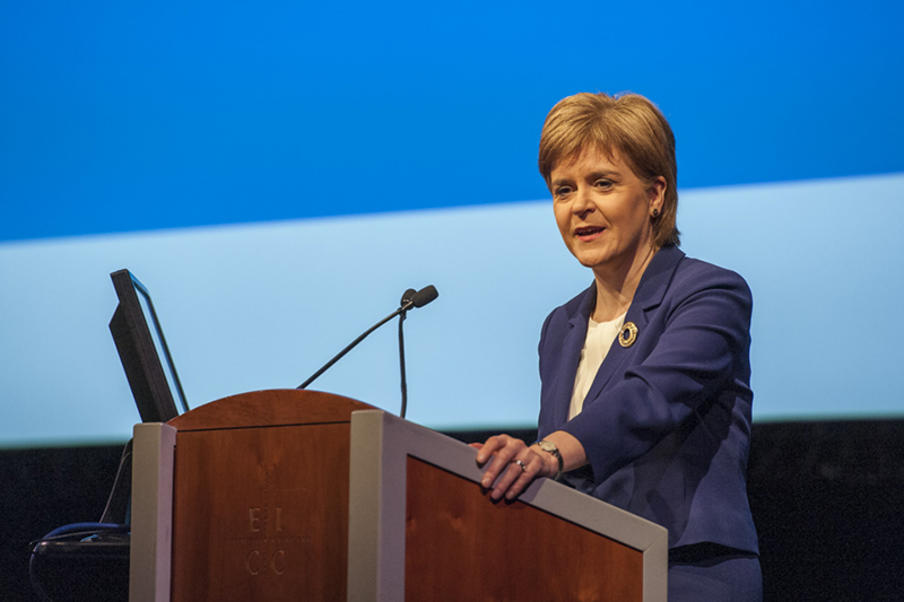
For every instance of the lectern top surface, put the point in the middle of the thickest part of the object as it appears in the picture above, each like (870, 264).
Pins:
(269, 408)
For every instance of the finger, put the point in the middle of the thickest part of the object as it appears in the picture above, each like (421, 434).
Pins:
(506, 478)
(475, 445)
(496, 468)
(494, 443)
(523, 468)
(501, 460)
(530, 469)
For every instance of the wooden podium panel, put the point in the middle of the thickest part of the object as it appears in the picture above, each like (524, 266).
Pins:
(268, 521)
(421, 528)
(260, 499)
(573, 563)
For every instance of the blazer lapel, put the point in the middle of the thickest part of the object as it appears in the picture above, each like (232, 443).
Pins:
(572, 343)
(649, 294)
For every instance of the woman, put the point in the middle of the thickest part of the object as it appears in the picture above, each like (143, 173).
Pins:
(645, 398)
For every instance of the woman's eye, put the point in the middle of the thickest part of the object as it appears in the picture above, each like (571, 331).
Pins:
(562, 190)
(605, 184)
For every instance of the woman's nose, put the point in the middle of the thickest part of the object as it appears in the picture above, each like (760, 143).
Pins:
(582, 203)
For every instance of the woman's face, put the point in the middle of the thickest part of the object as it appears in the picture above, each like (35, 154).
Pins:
(603, 211)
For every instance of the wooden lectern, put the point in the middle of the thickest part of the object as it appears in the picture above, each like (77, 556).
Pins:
(298, 495)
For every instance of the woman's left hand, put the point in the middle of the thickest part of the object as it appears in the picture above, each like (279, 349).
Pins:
(510, 466)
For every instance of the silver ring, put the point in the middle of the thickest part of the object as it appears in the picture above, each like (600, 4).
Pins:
(521, 464)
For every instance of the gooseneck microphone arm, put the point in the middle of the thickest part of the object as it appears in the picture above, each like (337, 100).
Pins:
(409, 301)
(349, 347)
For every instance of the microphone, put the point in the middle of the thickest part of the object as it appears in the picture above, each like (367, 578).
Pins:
(410, 299)
(425, 296)
(407, 297)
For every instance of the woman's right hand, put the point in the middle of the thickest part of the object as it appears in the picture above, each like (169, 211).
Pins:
(509, 466)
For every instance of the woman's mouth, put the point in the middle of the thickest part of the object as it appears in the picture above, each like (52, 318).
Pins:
(588, 233)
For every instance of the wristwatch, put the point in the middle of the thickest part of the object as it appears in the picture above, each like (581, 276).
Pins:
(550, 448)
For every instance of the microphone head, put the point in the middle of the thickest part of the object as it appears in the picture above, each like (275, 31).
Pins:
(425, 296)
(407, 297)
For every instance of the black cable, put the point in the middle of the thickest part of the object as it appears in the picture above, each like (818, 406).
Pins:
(123, 474)
(35, 583)
(75, 531)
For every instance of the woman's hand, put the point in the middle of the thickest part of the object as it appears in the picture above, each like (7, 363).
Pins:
(510, 465)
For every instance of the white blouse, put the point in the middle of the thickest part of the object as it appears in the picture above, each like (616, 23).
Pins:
(600, 336)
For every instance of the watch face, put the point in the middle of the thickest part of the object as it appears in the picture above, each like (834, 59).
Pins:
(548, 446)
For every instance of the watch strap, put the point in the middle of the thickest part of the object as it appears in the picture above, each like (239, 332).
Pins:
(551, 448)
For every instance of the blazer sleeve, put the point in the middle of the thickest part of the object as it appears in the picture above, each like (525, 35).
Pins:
(701, 356)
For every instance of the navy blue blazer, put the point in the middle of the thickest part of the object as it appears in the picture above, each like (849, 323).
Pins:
(666, 422)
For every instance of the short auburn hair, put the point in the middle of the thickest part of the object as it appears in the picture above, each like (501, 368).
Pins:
(627, 124)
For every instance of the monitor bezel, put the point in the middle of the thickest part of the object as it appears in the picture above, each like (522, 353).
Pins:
(138, 353)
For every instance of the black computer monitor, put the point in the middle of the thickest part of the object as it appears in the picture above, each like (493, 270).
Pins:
(138, 351)
(84, 561)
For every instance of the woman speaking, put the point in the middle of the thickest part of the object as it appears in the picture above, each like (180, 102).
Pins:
(645, 399)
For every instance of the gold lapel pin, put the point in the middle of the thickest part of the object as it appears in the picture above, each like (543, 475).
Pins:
(628, 334)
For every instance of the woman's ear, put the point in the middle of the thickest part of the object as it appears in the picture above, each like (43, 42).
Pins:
(656, 194)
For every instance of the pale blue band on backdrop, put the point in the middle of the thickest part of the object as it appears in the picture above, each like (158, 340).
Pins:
(262, 306)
